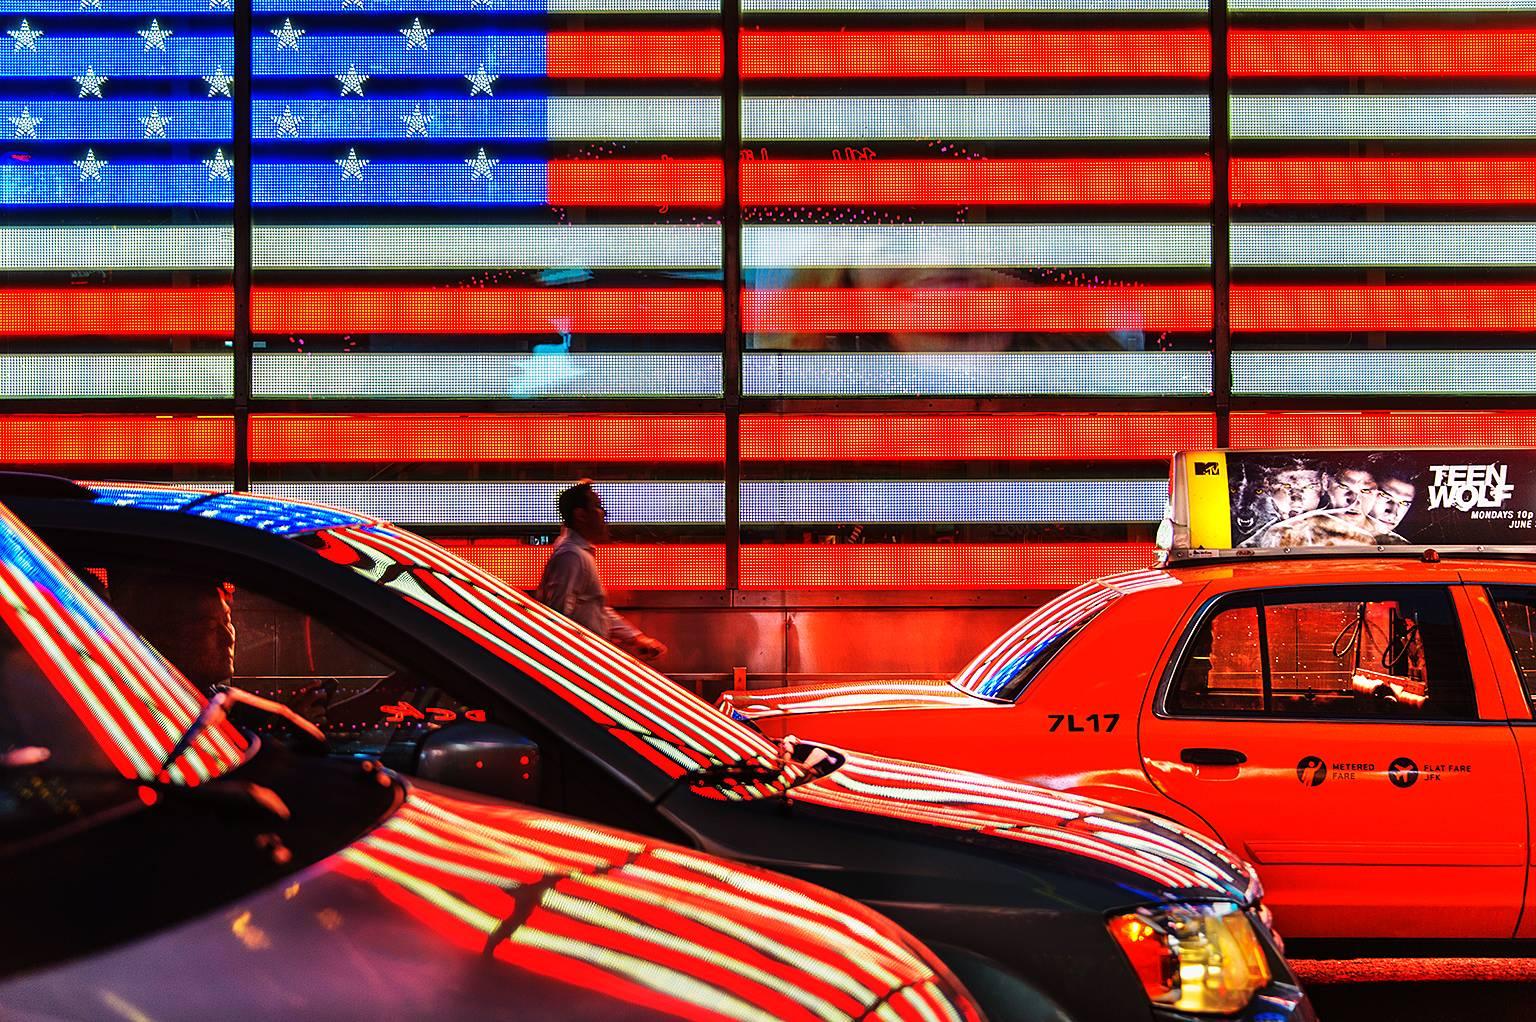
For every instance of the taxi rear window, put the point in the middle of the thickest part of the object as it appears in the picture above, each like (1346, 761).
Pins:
(1516, 608)
(1328, 653)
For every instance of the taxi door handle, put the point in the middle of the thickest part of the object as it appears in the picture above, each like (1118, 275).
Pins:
(1213, 757)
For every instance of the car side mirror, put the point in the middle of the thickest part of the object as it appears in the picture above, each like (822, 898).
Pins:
(484, 758)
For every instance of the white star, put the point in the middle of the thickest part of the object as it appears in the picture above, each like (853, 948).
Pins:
(287, 36)
(90, 83)
(219, 83)
(90, 167)
(482, 166)
(219, 5)
(26, 36)
(288, 124)
(351, 3)
(219, 166)
(414, 36)
(352, 166)
(155, 124)
(416, 122)
(154, 36)
(352, 81)
(481, 82)
(479, 3)
(26, 124)
(90, 5)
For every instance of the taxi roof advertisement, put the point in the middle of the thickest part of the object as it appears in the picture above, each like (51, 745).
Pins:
(1286, 500)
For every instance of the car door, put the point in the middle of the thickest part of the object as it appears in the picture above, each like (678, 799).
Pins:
(1349, 742)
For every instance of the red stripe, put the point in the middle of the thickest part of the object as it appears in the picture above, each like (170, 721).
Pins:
(1458, 307)
(658, 566)
(119, 311)
(936, 565)
(634, 54)
(116, 439)
(335, 439)
(1163, 180)
(969, 54)
(1452, 53)
(1119, 436)
(941, 310)
(422, 310)
(1457, 181)
(660, 182)
(1510, 428)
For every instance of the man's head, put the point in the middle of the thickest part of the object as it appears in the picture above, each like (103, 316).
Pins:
(1394, 494)
(1351, 489)
(188, 620)
(582, 511)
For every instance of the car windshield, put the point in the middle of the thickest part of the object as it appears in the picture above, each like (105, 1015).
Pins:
(85, 705)
(671, 727)
(1004, 669)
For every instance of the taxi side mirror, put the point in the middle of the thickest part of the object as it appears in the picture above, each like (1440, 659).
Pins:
(484, 758)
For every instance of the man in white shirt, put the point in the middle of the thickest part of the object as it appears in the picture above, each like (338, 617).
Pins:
(570, 583)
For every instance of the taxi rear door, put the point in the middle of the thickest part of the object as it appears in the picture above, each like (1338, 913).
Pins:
(1351, 742)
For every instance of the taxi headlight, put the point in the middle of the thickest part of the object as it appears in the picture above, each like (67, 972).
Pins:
(1197, 957)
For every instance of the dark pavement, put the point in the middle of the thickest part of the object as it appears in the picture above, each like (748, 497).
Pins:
(1422, 990)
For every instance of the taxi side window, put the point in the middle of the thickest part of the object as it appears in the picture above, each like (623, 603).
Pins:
(1345, 653)
(1517, 613)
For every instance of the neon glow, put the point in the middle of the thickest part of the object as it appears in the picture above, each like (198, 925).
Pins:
(585, 438)
(1461, 308)
(937, 565)
(1027, 309)
(999, 182)
(114, 375)
(1506, 428)
(1409, 371)
(1389, 116)
(915, 54)
(117, 439)
(1417, 243)
(524, 503)
(1454, 53)
(1459, 181)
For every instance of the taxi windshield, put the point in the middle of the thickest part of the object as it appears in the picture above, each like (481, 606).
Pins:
(85, 705)
(1004, 669)
(668, 725)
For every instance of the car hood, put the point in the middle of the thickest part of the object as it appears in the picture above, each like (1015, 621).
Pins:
(456, 907)
(775, 703)
(1005, 814)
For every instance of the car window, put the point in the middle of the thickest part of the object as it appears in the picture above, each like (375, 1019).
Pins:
(1516, 608)
(219, 632)
(1336, 652)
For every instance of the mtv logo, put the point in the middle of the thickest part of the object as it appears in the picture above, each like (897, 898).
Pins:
(1207, 468)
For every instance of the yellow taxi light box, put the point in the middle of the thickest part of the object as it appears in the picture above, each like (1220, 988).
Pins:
(1277, 501)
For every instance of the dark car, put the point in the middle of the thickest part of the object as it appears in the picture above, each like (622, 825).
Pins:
(160, 863)
(1046, 905)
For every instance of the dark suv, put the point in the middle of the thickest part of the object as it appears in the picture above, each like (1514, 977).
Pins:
(1046, 905)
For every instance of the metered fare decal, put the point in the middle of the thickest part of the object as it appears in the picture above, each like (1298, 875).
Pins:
(1402, 772)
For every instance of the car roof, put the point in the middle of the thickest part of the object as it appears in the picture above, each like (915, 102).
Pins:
(1294, 571)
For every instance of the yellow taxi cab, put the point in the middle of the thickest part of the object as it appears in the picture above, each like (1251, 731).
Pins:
(1332, 672)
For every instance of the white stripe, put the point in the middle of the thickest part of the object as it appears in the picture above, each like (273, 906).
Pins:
(117, 248)
(482, 375)
(1501, 243)
(649, 117)
(513, 503)
(1098, 373)
(870, 118)
(633, 7)
(486, 246)
(1453, 116)
(1383, 372)
(986, 245)
(106, 375)
(1380, 6)
(951, 500)
(970, 6)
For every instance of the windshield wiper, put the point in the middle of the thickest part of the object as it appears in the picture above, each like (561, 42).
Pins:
(218, 708)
